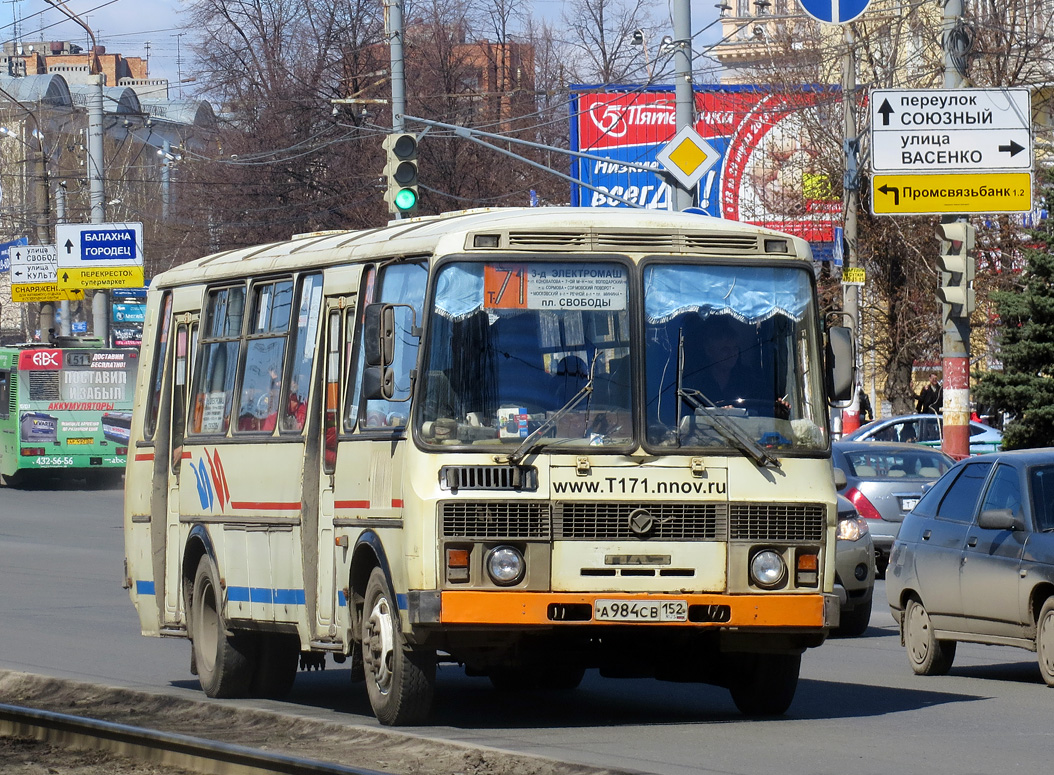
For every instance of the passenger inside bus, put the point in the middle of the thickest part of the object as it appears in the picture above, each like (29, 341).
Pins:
(721, 362)
(295, 409)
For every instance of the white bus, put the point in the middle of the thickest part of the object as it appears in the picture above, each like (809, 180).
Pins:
(530, 442)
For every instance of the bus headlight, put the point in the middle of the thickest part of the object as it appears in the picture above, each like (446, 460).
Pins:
(505, 565)
(767, 569)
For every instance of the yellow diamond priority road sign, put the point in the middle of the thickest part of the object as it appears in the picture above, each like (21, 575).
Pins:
(991, 192)
(688, 157)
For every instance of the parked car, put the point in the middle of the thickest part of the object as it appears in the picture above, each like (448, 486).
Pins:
(884, 480)
(974, 561)
(925, 429)
(854, 579)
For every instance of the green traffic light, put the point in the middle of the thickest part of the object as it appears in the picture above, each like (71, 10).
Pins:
(405, 199)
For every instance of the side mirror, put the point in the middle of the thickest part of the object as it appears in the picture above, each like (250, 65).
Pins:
(379, 334)
(840, 360)
(840, 480)
(378, 382)
(997, 519)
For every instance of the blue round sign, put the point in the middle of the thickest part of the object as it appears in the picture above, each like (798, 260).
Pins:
(834, 11)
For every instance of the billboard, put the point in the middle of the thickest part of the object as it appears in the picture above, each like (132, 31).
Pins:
(770, 172)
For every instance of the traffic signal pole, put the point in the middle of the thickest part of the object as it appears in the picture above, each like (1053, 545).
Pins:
(683, 94)
(394, 28)
(955, 341)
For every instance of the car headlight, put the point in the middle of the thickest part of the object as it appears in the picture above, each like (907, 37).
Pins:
(851, 529)
(505, 565)
(767, 569)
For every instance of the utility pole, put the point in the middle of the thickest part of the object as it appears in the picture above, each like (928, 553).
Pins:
(683, 95)
(394, 29)
(851, 183)
(65, 327)
(100, 300)
(955, 340)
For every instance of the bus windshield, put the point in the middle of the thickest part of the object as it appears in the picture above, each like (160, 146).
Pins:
(515, 345)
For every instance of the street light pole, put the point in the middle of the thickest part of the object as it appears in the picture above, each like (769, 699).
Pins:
(683, 198)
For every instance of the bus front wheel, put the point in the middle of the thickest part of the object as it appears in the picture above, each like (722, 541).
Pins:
(400, 679)
(224, 662)
(764, 684)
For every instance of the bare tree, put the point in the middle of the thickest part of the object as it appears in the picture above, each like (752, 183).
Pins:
(600, 34)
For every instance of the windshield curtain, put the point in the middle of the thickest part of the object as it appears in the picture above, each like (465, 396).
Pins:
(731, 344)
(512, 343)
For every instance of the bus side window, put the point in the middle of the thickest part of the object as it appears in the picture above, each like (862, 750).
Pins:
(353, 354)
(220, 339)
(399, 284)
(5, 394)
(158, 368)
(302, 355)
(332, 393)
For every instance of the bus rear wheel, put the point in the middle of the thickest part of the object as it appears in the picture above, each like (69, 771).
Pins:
(400, 679)
(764, 684)
(224, 662)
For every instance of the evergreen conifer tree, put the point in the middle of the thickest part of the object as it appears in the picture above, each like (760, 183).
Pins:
(1024, 389)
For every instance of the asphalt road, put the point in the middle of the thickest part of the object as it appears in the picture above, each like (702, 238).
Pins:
(858, 708)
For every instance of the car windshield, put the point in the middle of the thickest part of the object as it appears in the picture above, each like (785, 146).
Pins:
(514, 347)
(886, 464)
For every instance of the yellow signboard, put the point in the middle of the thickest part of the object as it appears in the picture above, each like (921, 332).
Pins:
(44, 292)
(101, 277)
(853, 275)
(987, 192)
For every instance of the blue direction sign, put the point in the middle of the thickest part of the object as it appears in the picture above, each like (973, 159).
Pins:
(834, 11)
(5, 256)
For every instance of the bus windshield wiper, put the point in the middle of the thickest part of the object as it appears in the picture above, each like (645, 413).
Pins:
(699, 402)
(739, 439)
(528, 444)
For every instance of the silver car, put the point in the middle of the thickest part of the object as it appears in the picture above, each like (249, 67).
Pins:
(925, 429)
(854, 570)
(974, 561)
(884, 481)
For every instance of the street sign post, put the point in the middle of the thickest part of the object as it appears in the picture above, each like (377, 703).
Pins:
(992, 192)
(100, 255)
(950, 130)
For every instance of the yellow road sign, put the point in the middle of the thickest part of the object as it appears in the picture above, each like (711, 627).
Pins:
(989, 192)
(44, 292)
(101, 277)
(853, 275)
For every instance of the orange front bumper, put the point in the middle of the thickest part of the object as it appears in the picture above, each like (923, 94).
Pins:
(532, 608)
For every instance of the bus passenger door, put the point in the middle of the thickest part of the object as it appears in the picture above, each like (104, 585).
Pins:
(329, 551)
(173, 540)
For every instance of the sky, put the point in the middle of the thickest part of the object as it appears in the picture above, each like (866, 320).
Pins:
(122, 26)
(151, 29)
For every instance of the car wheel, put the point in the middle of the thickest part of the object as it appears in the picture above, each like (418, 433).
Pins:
(927, 655)
(1045, 641)
(400, 679)
(855, 622)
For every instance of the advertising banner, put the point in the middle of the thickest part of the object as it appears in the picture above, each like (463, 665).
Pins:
(770, 172)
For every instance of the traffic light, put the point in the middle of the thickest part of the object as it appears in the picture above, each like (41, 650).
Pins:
(957, 268)
(400, 172)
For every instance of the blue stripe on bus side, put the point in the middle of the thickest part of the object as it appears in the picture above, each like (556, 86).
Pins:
(266, 595)
(263, 595)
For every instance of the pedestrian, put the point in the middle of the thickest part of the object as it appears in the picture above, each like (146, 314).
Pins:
(931, 398)
(866, 413)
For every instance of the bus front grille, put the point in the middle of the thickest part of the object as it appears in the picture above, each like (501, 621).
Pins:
(776, 521)
(575, 520)
(496, 519)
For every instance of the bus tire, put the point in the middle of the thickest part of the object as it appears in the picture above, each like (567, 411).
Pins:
(400, 679)
(224, 662)
(277, 663)
(764, 684)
